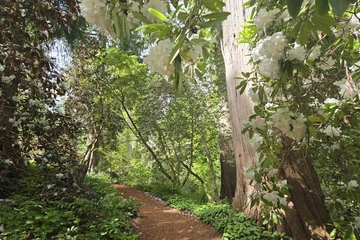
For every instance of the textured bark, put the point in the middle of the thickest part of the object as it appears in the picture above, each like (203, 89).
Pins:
(228, 169)
(308, 214)
(235, 58)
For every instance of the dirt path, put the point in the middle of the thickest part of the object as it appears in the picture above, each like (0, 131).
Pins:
(159, 222)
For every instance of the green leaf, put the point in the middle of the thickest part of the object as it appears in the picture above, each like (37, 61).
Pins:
(304, 32)
(323, 23)
(179, 42)
(216, 15)
(213, 5)
(338, 7)
(313, 118)
(177, 79)
(322, 7)
(158, 14)
(294, 7)
(210, 23)
(141, 17)
(153, 25)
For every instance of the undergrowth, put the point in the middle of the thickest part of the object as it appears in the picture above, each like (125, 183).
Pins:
(46, 209)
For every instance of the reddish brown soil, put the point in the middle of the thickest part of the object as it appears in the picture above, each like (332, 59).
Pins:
(159, 222)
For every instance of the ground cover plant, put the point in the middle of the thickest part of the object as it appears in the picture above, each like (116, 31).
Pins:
(49, 210)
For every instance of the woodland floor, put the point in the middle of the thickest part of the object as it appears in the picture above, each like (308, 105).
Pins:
(159, 222)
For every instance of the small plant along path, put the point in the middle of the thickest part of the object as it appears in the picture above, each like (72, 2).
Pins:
(159, 222)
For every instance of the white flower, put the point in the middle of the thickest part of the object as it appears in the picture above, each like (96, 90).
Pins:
(258, 122)
(291, 126)
(315, 53)
(331, 101)
(194, 52)
(159, 5)
(352, 184)
(49, 186)
(271, 196)
(256, 141)
(2, 229)
(348, 89)
(298, 52)
(264, 19)
(96, 12)
(272, 173)
(270, 68)
(283, 201)
(328, 64)
(7, 80)
(59, 175)
(8, 162)
(158, 58)
(331, 131)
(272, 47)
(282, 183)
(16, 98)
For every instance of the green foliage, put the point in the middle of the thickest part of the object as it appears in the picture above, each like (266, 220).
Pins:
(97, 211)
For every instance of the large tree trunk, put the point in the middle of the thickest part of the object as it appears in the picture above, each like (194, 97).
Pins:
(308, 214)
(235, 58)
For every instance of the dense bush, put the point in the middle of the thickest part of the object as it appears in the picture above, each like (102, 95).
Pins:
(95, 210)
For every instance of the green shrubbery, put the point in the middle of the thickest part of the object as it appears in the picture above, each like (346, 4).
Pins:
(94, 210)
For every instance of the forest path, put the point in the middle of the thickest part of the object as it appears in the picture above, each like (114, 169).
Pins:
(159, 222)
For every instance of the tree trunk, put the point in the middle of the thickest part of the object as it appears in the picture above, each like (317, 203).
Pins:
(308, 214)
(240, 106)
(227, 168)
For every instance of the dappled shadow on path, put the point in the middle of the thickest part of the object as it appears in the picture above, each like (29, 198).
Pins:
(159, 222)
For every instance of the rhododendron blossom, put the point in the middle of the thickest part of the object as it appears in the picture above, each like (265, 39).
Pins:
(264, 18)
(96, 12)
(158, 58)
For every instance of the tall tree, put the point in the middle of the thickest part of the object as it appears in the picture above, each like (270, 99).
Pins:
(30, 119)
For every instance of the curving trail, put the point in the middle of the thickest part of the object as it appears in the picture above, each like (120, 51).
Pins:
(159, 222)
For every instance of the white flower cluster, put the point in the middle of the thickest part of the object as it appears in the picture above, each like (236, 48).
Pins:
(7, 80)
(315, 53)
(158, 58)
(96, 12)
(194, 52)
(256, 141)
(326, 64)
(348, 89)
(265, 19)
(269, 51)
(258, 122)
(297, 52)
(352, 184)
(274, 197)
(290, 125)
(331, 131)
(9, 162)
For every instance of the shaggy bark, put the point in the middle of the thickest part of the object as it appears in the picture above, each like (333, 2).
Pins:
(240, 106)
(308, 215)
